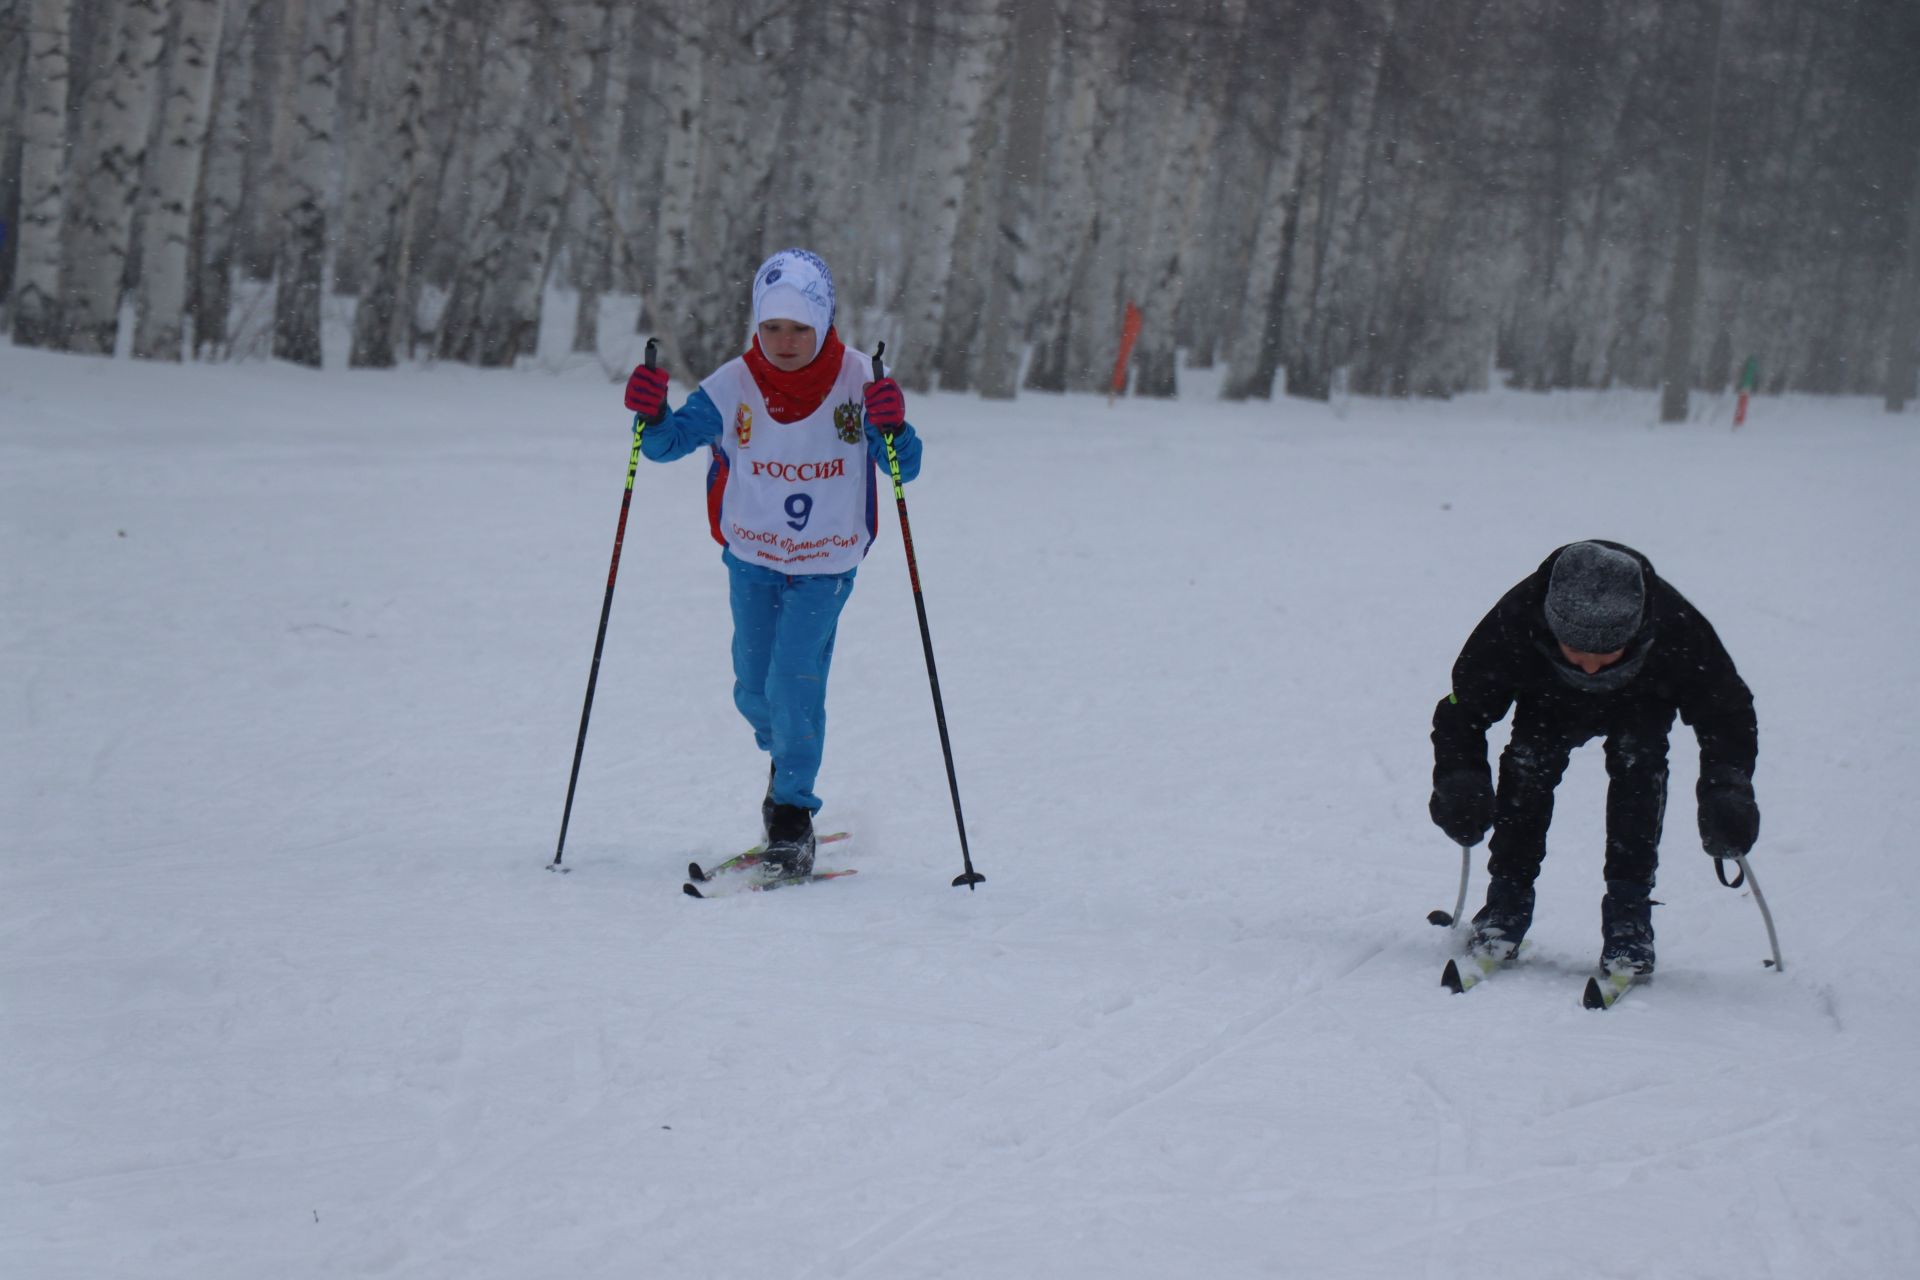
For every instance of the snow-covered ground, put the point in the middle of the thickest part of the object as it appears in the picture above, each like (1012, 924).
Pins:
(293, 668)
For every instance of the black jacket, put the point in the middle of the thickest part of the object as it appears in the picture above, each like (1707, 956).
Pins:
(1677, 662)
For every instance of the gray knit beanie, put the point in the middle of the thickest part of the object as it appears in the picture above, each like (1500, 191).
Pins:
(1596, 598)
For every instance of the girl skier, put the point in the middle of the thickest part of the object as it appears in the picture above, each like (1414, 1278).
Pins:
(795, 428)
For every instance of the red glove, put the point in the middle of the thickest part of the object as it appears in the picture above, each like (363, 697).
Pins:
(647, 393)
(886, 406)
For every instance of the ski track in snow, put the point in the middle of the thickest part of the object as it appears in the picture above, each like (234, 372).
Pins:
(294, 668)
(870, 1253)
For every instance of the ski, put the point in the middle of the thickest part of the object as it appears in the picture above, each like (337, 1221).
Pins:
(1459, 978)
(746, 858)
(762, 886)
(1478, 970)
(1605, 989)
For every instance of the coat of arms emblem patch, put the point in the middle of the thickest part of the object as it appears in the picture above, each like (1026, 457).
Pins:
(846, 419)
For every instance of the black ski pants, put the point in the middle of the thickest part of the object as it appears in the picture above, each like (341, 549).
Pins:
(1543, 738)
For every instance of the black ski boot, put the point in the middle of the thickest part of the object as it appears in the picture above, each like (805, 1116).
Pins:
(1499, 926)
(766, 810)
(790, 840)
(1626, 928)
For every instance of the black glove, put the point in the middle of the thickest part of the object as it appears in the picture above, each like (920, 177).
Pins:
(1462, 805)
(1729, 818)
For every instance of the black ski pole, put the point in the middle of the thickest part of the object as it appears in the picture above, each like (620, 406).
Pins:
(600, 640)
(968, 877)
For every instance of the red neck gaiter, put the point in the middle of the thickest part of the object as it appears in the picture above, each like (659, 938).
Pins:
(792, 396)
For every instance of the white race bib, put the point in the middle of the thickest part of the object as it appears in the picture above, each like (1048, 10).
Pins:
(797, 497)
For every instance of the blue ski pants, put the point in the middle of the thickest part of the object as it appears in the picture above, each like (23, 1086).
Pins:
(783, 632)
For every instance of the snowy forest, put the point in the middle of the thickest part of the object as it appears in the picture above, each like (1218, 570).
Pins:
(1368, 196)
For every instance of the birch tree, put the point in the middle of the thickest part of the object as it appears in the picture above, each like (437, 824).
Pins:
(738, 158)
(1192, 117)
(360, 128)
(172, 177)
(517, 188)
(1338, 209)
(1083, 121)
(681, 90)
(1003, 326)
(222, 177)
(266, 136)
(970, 263)
(14, 15)
(303, 252)
(409, 34)
(1253, 358)
(1683, 285)
(837, 70)
(43, 159)
(115, 119)
(1903, 334)
(544, 195)
(13, 56)
(596, 120)
(923, 298)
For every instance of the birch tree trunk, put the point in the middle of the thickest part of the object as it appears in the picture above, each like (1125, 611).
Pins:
(1312, 358)
(1903, 347)
(173, 177)
(221, 180)
(743, 148)
(596, 121)
(1193, 115)
(880, 189)
(1255, 351)
(115, 121)
(1081, 322)
(267, 137)
(1253, 357)
(361, 131)
(14, 17)
(550, 147)
(971, 264)
(383, 322)
(1210, 308)
(43, 161)
(827, 204)
(518, 184)
(303, 252)
(1003, 326)
(671, 294)
(923, 299)
(632, 164)
(1683, 286)
(1082, 121)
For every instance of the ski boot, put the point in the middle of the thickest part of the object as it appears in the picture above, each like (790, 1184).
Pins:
(1626, 928)
(1499, 926)
(790, 841)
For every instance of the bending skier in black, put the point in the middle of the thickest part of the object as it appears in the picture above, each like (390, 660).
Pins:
(1593, 644)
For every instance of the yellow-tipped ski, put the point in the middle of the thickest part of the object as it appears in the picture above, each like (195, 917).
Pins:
(1478, 969)
(1608, 987)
